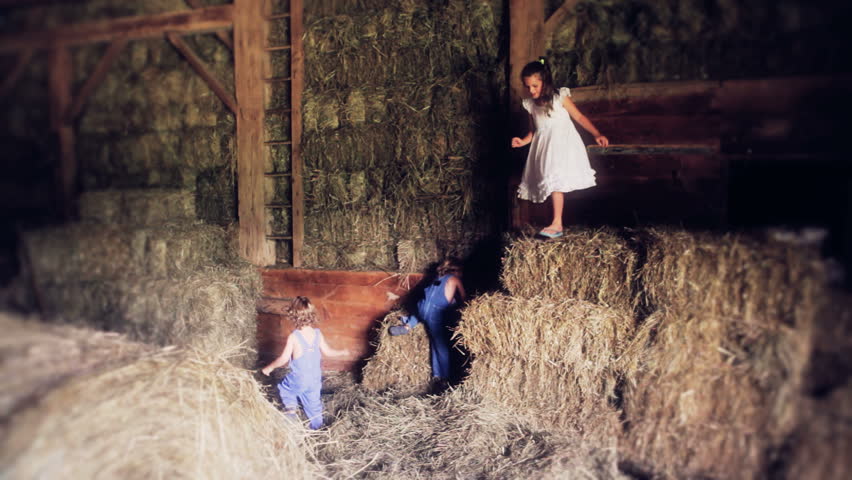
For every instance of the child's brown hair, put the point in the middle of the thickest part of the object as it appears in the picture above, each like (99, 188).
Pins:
(302, 312)
(450, 266)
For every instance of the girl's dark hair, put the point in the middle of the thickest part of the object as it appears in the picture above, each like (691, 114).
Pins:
(302, 312)
(450, 266)
(541, 68)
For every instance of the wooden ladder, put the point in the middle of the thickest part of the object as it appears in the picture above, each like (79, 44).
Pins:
(256, 81)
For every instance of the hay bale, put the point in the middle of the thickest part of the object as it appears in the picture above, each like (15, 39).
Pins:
(735, 275)
(170, 413)
(84, 252)
(595, 265)
(718, 370)
(416, 255)
(820, 448)
(151, 206)
(556, 361)
(456, 435)
(698, 391)
(400, 363)
(209, 308)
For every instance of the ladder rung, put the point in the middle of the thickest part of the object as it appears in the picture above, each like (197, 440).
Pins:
(279, 237)
(278, 142)
(276, 16)
(276, 48)
(277, 205)
(276, 79)
(275, 174)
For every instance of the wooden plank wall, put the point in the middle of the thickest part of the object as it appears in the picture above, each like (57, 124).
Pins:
(350, 305)
(734, 121)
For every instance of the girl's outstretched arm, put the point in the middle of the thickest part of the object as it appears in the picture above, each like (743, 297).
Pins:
(326, 350)
(584, 122)
(521, 141)
(282, 359)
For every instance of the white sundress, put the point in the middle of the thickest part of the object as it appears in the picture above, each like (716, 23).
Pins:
(557, 160)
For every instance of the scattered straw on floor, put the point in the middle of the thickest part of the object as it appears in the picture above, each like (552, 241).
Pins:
(451, 436)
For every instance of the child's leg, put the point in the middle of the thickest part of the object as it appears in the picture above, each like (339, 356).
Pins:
(558, 200)
(439, 344)
(290, 400)
(312, 403)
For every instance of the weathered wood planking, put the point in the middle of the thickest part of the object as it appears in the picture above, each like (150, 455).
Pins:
(349, 303)
(249, 58)
(207, 19)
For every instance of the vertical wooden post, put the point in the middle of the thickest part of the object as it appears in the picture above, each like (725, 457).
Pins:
(59, 84)
(526, 42)
(297, 73)
(248, 79)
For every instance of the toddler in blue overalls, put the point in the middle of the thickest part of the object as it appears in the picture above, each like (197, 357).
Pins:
(303, 352)
(435, 311)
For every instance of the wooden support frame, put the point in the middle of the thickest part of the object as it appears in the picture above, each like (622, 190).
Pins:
(201, 69)
(208, 19)
(95, 78)
(223, 36)
(249, 71)
(21, 63)
(59, 84)
(297, 74)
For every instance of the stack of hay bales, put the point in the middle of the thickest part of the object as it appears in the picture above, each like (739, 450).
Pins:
(399, 100)
(551, 348)
(714, 379)
(78, 403)
(138, 262)
(399, 363)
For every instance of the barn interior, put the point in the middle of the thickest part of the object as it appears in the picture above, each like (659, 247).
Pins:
(177, 171)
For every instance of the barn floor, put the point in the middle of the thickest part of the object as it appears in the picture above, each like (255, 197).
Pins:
(453, 435)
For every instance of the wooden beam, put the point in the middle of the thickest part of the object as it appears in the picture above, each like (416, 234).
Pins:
(559, 15)
(60, 75)
(297, 73)
(526, 42)
(95, 78)
(248, 79)
(652, 149)
(207, 19)
(223, 36)
(201, 69)
(21, 62)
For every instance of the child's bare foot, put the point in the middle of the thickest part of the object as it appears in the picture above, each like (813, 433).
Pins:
(551, 231)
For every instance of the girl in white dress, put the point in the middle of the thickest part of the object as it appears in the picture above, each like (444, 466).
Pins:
(557, 161)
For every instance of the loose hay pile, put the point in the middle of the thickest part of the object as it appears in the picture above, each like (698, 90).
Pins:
(452, 436)
(401, 363)
(155, 414)
(555, 361)
(596, 265)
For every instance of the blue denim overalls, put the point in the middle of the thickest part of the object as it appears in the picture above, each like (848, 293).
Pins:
(433, 311)
(304, 382)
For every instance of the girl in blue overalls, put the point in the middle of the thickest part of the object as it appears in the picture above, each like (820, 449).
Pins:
(303, 351)
(435, 310)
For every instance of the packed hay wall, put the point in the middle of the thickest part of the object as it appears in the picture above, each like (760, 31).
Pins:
(402, 112)
(106, 407)
(614, 42)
